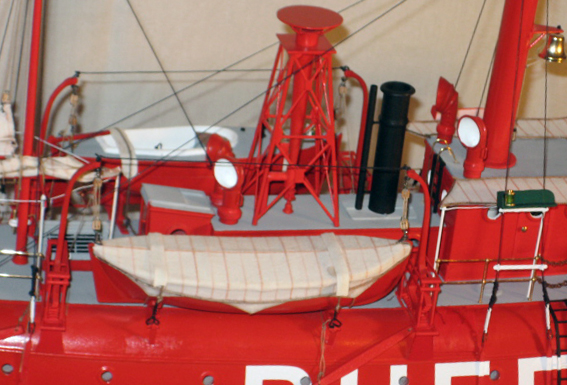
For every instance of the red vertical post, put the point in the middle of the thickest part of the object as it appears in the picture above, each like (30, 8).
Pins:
(516, 31)
(31, 109)
(298, 113)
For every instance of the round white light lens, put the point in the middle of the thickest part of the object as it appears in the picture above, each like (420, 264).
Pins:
(225, 173)
(468, 131)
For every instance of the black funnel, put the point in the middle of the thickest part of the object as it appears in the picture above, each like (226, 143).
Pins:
(388, 157)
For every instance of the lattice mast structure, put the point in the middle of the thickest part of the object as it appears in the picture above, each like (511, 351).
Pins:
(298, 113)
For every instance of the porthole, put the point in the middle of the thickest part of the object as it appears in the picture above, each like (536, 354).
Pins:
(7, 369)
(495, 375)
(106, 376)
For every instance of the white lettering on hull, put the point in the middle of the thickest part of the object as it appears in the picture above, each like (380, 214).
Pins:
(350, 379)
(527, 367)
(445, 372)
(256, 375)
(397, 372)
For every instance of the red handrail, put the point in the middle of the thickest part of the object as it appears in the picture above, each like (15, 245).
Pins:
(71, 81)
(426, 220)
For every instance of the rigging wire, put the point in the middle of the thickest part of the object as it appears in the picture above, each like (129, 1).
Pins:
(8, 20)
(20, 56)
(149, 72)
(514, 97)
(542, 247)
(236, 162)
(190, 85)
(350, 6)
(18, 72)
(470, 43)
(484, 88)
(493, 297)
(545, 100)
(545, 129)
(166, 157)
(175, 93)
(14, 46)
(169, 154)
(224, 69)
(159, 101)
(393, 7)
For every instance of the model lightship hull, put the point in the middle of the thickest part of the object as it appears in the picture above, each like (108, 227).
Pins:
(254, 260)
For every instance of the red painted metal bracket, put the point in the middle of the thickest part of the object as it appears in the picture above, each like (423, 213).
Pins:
(365, 357)
(420, 289)
(57, 281)
(57, 272)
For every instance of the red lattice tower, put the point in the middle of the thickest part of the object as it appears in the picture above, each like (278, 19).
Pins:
(305, 118)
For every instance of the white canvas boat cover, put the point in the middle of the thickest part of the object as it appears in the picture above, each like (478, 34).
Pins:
(253, 273)
(483, 191)
(61, 167)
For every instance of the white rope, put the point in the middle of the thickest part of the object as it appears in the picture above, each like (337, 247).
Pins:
(322, 362)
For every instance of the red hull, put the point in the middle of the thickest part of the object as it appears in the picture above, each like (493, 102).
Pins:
(188, 345)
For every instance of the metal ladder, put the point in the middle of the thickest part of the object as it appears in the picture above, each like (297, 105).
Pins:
(558, 314)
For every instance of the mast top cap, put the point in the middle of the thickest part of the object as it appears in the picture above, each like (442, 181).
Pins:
(309, 19)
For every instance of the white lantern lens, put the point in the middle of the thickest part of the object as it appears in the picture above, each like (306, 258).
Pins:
(468, 131)
(225, 173)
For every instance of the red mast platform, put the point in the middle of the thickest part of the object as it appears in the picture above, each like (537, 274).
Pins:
(302, 114)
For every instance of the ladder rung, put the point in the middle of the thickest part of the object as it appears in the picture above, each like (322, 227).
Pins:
(562, 335)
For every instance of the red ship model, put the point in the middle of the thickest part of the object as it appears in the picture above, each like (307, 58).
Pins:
(256, 258)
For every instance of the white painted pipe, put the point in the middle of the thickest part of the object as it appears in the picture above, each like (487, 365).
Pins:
(520, 267)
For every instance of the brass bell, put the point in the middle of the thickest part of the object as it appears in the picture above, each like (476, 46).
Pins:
(555, 49)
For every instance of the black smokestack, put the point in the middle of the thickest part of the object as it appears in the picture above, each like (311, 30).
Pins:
(387, 160)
